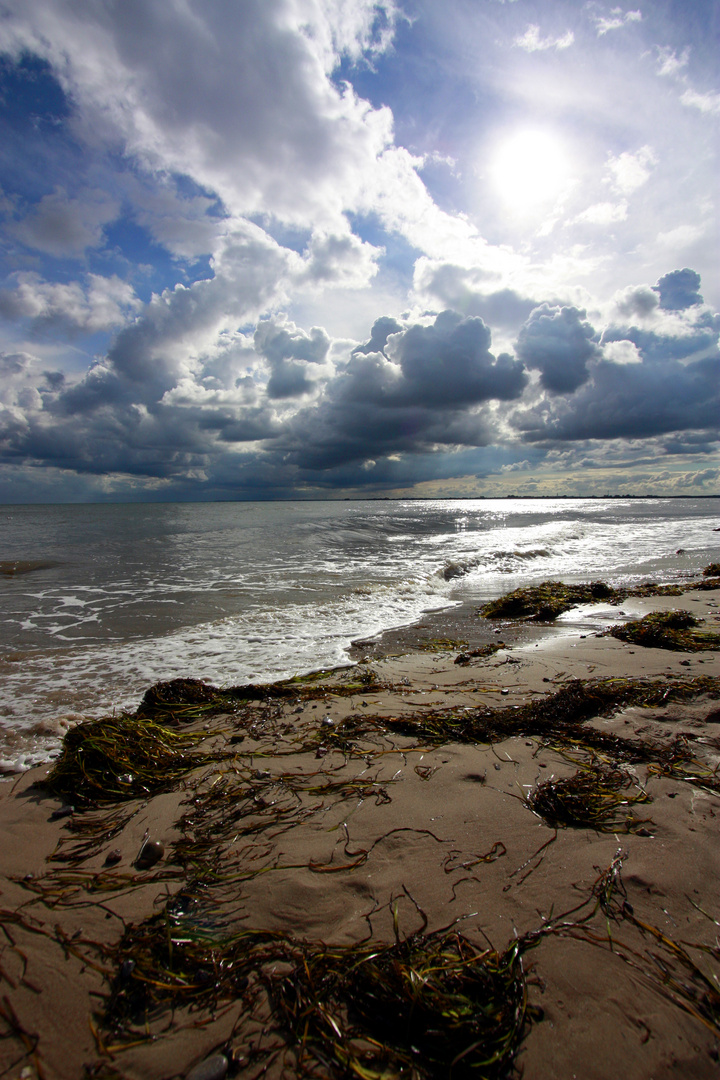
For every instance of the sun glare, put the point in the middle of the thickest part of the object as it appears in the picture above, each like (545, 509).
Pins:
(530, 169)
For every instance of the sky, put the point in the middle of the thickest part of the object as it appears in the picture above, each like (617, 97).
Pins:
(271, 249)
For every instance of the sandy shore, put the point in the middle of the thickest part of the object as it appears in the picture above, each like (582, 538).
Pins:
(361, 805)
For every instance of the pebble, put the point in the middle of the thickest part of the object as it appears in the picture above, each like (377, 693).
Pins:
(150, 853)
(113, 857)
(213, 1068)
(61, 812)
(328, 721)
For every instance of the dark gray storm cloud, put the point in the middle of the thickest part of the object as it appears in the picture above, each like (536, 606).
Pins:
(633, 401)
(559, 342)
(657, 346)
(450, 363)
(289, 352)
(287, 407)
(381, 331)
(680, 289)
(423, 392)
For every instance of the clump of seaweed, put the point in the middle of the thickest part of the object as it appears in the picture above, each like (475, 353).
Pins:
(560, 721)
(546, 601)
(713, 570)
(168, 961)
(124, 757)
(428, 1006)
(667, 630)
(481, 652)
(441, 645)
(595, 797)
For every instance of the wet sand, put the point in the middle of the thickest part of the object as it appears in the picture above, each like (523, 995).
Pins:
(331, 822)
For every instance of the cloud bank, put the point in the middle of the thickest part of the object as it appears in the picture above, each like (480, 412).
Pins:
(250, 264)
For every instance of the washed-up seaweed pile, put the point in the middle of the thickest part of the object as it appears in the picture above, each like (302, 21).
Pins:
(184, 701)
(677, 630)
(598, 796)
(123, 757)
(559, 720)
(544, 602)
(431, 1005)
(425, 1006)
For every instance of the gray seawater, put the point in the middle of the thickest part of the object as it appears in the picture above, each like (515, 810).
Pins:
(100, 601)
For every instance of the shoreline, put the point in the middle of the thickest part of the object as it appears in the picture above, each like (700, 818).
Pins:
(386, 802)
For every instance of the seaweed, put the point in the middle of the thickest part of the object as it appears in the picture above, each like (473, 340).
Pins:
(482, 651)
(713, 570)
(544, 602)
(441, 645)
(428, 1006)
(675, 629)
(425, 1006)
(596, 797)
(126, 757)
(560, 721)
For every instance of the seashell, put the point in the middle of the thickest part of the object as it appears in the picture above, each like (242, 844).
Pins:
(150, 853)
(213, 1068)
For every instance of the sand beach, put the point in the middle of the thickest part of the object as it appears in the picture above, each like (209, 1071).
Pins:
(487, 847)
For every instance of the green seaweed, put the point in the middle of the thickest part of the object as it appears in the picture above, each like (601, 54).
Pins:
(677, 629)
(426, 1006)
(125, 757)
(481, 652)
(596, 797)
(544, 602)
(559, 720)
(441, 644)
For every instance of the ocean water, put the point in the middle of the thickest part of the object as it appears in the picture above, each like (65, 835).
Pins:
(100, 601)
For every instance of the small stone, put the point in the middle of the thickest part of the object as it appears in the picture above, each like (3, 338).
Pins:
(328, 721)
(113, 857)
(151, 852)
(213, 1068)
(61, 812)
(504, 691)
(125, 778)
(262, 774)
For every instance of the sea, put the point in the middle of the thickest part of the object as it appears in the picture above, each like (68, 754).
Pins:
(101, 601)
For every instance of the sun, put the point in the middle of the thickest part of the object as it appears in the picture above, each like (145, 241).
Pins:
(530, 169)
